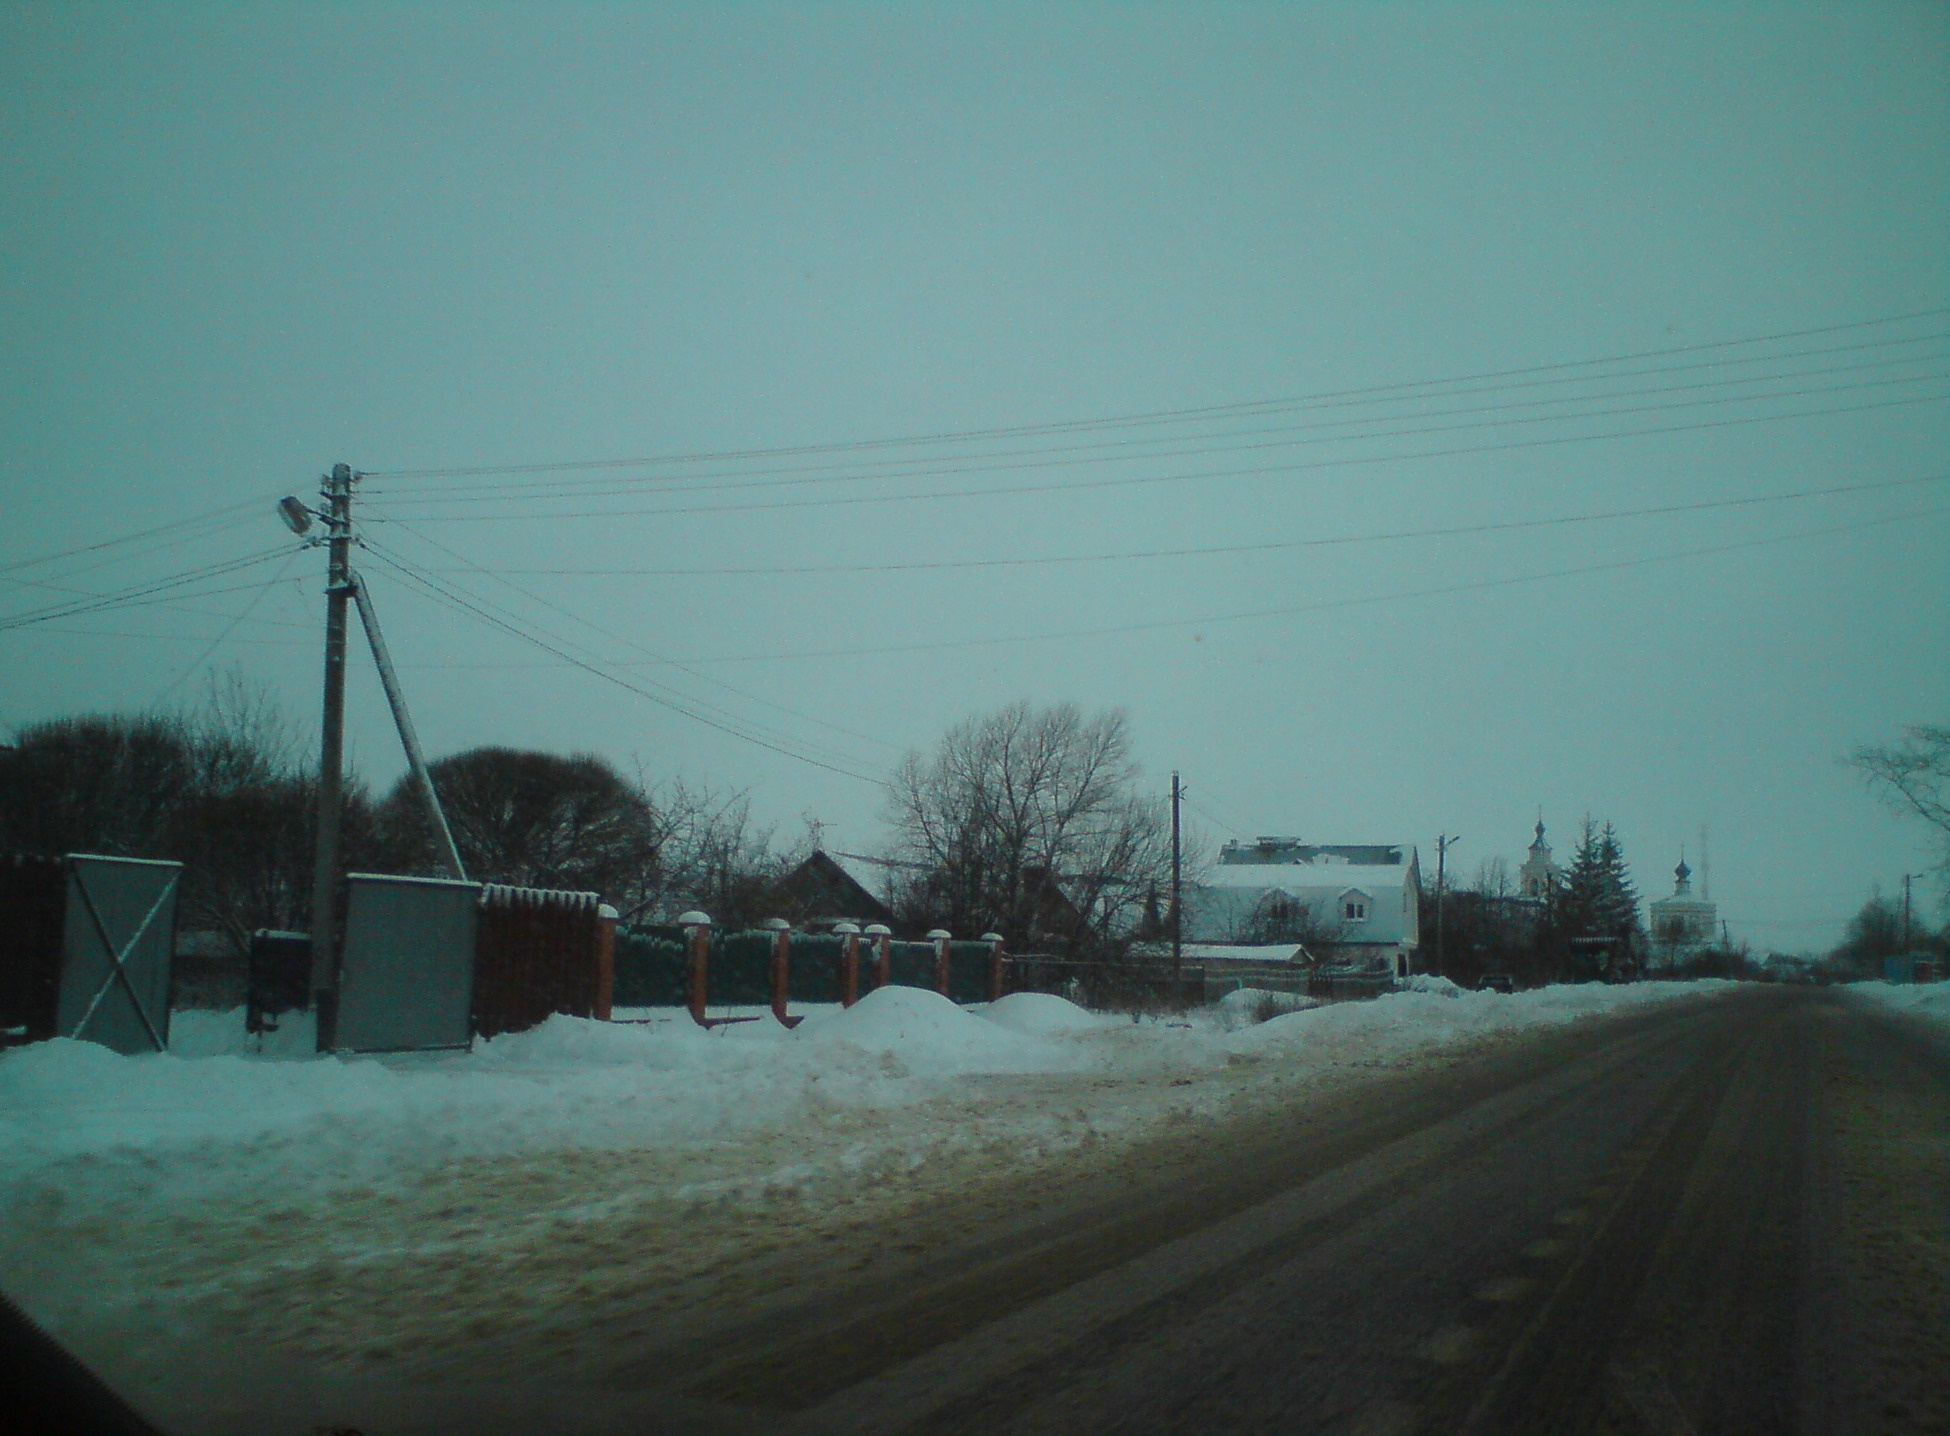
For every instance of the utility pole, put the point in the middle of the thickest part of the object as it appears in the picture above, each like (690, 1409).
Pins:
(337, 492)
(1906, 878)
(1443, 843)
(1177, 894)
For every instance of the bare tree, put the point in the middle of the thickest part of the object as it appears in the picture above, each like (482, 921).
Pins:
(533, 819)
(713, 857)
(1493, 879)
(1913, 776)
(1028, 820)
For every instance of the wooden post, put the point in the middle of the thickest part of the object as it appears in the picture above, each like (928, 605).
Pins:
(939, 937)
(994, 940)
(697, 941)
(849, 935)
(883, 953)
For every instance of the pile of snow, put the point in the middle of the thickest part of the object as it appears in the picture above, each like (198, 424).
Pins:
(1428, 982)
(926, 1034)
(1244, 1006)
(1443, 1013)
(1929, 1001)
(1043, 1014)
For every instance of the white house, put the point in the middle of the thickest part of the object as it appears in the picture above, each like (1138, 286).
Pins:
(1350, 904)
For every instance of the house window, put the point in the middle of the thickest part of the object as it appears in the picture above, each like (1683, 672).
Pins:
(1354, 911)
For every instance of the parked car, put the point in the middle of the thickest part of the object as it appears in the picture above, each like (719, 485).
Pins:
(1496, 982)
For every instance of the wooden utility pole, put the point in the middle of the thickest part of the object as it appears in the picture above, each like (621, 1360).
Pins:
(1177, 893)
(337, 492)
(1443, 843)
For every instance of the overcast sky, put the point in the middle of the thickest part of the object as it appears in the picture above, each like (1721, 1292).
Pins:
(243, 243)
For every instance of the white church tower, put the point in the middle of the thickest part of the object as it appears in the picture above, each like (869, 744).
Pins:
(1537, 878)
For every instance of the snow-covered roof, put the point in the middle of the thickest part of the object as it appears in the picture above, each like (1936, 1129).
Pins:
(1226, 951)
(1297, 878)
(875, 876)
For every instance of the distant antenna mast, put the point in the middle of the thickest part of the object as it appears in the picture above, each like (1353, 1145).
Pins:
(1705, 868)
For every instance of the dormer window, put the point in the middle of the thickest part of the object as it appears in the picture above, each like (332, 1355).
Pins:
(1354, 910)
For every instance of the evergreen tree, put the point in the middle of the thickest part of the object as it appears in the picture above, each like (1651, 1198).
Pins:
(1598, 898)
(1620, 911)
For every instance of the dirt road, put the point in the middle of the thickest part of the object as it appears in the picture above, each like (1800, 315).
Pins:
(1730, 1215)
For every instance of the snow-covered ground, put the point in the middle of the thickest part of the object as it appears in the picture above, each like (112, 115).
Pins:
(1929, 1001)
(293, 1200)
(215, 1113)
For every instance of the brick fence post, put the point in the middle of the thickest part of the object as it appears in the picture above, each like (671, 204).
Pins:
(697, 942)
(781, 931)
(883, 953)
(994, 940)
(849, 935)
(939, 937)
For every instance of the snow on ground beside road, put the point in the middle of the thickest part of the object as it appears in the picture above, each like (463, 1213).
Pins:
(193, 1124)
(1929, 1001)
(296, 1201)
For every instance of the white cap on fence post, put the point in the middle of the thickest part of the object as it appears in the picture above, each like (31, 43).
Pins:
(776, 924)
(937, 934)
(847, 929)
(694, 919)
(991, 937)
(879, 929)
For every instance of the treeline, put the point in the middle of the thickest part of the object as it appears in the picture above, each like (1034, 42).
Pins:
(1881, 929)
(1026, 820)
(230, 792)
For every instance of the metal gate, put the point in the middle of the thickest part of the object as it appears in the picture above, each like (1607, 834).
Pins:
(406, 974)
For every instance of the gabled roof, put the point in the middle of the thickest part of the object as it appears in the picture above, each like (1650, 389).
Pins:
(824, 881)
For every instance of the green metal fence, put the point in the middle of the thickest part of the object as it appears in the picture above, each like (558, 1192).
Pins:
(651, 966)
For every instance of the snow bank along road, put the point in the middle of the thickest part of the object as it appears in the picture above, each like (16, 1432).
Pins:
(1701, 1210)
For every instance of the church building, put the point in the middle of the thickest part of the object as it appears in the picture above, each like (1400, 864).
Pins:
(1538, 878)
(1683, 924)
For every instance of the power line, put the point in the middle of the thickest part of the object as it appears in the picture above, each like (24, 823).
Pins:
(647, 653)
(984, 466)
(1325, 605)
(230, 628)
(1268, 546)
(1235, 830)
(466, 600)
(1163, 415)
(1127, 481)
(434, 591)
(140, 594)
(851, 471)
(170, 527)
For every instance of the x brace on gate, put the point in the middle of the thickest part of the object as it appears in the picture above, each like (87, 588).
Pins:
(119, 957)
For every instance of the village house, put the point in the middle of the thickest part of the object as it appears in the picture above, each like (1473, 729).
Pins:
(1349, 905)
(829, 888)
